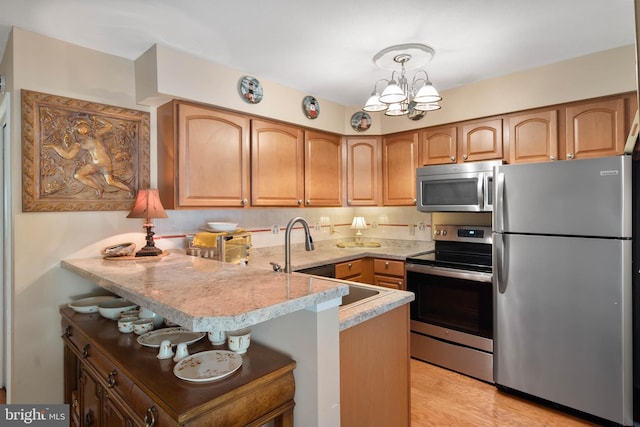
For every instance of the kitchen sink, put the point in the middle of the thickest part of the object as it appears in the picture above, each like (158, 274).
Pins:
(357, 293)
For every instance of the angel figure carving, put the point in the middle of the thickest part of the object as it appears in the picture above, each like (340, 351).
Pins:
(86, 134)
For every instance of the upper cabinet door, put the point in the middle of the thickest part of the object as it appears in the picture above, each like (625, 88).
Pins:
(595, 129)
(277, 164)
(439, 145)
(533, 137)
(203, 157)
(322, 169)
(482, 140)
(363, 171)
(399, 164)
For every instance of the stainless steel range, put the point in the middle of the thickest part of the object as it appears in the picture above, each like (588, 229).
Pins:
(452, 314)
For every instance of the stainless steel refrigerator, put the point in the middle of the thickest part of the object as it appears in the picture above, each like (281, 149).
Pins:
(562, 283)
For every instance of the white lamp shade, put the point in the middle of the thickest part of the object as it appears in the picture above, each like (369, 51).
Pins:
(392, 94)
(359, 223)
(373, 104)
(427, 94)
(427, 106)
(396, 110)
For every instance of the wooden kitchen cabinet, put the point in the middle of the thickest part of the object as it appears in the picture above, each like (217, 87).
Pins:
(533, 136)
(350, 270)
(399, 164)
(481, 140)
(374, 371)
(203, 157)
(438, 145)
(389, 273)
(112, 381)
(277, 164)
(595, 129)
(364, 165)
(322, 169)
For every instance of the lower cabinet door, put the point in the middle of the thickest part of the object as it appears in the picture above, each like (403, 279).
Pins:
(90, 391)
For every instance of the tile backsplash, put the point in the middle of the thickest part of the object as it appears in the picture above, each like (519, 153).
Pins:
(401, 223)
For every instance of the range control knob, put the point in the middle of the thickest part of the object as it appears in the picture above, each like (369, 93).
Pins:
(437, 232)
(444, 232)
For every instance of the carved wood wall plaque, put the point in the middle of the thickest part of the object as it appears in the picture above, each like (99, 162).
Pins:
(80, 155)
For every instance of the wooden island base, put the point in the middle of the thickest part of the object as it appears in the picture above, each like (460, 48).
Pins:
(111, 380)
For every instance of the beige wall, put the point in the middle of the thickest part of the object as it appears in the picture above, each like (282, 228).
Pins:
(39, 63)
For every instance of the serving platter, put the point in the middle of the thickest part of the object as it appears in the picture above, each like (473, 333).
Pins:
(177, 335)
(208, 366)
(89, 305)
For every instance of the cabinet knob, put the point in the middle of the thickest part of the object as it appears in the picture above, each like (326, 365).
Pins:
(88, 419)
(465, 157)
(308, 202)
(349, 202)
(299, 201)
(85, 351)
(245, 201)
(111, 379)
(150, 417)
(452, 158)
(349, 265)
(552, 157)
(569, 155)
(386, 263)
(67, 332)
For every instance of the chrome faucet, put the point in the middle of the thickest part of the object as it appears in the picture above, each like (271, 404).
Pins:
(308, 243)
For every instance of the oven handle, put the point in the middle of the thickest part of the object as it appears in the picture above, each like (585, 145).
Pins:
(475, 276)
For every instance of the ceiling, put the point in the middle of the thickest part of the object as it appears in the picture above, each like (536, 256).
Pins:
(325, 48)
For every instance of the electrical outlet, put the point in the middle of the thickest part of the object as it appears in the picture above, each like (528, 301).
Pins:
(275, 229)
(421, 226)
(374, 224)
(318, 227)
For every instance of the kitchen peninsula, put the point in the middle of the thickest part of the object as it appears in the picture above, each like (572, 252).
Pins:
(294, 313)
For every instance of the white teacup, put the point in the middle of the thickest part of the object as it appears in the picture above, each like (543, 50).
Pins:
(239, 341)
(145, 313)
(217, 337)
(125, 324)
(142, 326)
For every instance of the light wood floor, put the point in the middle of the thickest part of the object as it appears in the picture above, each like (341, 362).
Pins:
(440, 397)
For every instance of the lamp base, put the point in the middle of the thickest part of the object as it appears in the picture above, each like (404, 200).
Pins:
(149, 251)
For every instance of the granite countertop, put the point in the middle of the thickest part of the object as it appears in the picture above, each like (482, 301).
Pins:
(202, 294)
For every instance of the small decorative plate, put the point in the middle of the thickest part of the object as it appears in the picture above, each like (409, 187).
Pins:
(208, 366)
(311, 107)
(250, 89)
(360, 121)
(177, 336)
(89, 305)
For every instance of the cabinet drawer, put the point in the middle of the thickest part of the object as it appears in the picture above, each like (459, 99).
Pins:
(388, 267)
(344, 270)
(389, 282)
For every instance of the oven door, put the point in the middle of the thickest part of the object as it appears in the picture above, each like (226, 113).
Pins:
(453, 300)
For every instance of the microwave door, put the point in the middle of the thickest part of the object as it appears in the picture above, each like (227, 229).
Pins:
(459, 192)
(487, 193)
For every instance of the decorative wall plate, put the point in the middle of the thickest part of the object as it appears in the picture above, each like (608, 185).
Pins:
(250, 89)
(311, 107)
(360, 121)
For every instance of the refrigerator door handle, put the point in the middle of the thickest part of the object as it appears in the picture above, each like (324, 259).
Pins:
(499, 274)
(499, 210)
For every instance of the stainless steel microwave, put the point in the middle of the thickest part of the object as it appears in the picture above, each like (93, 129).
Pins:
(466, 187)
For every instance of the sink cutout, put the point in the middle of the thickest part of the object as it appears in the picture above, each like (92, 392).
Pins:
(357, 293)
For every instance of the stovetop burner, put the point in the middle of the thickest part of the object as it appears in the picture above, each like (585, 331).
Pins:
(458, 247)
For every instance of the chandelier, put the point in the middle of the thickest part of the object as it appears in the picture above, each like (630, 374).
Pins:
(399, 98)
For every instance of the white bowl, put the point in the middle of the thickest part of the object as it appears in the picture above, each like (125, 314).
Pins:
(223, 226)
(113, 309)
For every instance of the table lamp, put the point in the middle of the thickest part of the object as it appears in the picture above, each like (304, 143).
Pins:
(358, 224)
(148, 206)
